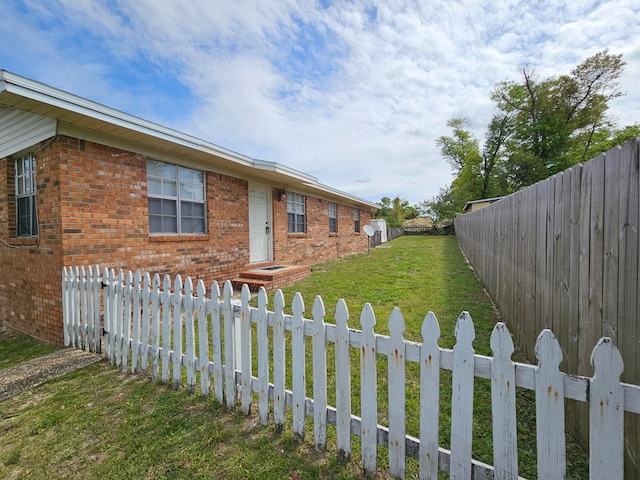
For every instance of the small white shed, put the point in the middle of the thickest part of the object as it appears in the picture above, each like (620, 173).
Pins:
(380, 224)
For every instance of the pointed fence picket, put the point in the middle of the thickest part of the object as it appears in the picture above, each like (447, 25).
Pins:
(181, 319)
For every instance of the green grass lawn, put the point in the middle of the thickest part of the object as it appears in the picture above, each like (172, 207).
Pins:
(99, 423)
(16, 348)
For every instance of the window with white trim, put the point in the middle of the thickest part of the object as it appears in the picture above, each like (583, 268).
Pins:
(296, 213)
(26, 213)
(356, 220)
(176, 199)
(333, 218)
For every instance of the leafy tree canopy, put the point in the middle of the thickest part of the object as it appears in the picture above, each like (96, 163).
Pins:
(396, 211)
(542, 127)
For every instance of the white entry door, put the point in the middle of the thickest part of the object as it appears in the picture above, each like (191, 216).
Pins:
(259, 223)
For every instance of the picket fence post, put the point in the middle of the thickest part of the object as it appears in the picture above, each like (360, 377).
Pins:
(368, 392)
(155, 327)
(278, 361)
(263, 357)
(165, 300)
(229, 346)
(120, 288)
(216, 343)
(503, 404)
(245, 351)
(550, 408)
(462, 398)
(397, 400)
(145, 298)
(176, 302)
(200, 304)
(343, 382)
(606, 413)
(189, 328)
(298, 367)
(319, 355)
(429, 398)
(135, 341)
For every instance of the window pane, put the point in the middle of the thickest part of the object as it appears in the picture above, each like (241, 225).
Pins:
(169, 207)
(189, 191)
(198, 210)
(191, 176)
(169, 224)
(292, 222)
(24, 218)
(186, 209)
(155, 206)
(154, 168)
(155, 224)
(169, 188)
(169, 171)
(20, 185)
(154, 186)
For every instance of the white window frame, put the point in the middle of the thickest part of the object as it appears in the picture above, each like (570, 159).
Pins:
(296, 213)
(333, 217)
(356, 220)
(182, 193)
(25, 190)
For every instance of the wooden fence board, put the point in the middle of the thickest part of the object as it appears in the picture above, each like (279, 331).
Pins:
(606, 440)
(190, 333)
(529, 265)
(343, 382)
(550, 408)
(611, 233)
(368, 391)
(279, 364)
(542, 286)
(397, 399)
(429, 397)
(216, 342)
(263, 357)
(176, 303)
(503, 404)
(200, 304)
(298, 366)
(229, 347)
(319, 355)
(462, 398)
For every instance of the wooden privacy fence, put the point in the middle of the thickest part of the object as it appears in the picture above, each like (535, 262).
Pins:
(564, 254)
(169, 329)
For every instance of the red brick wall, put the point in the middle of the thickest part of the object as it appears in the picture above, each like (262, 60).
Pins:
(317, 244)
(105, 218)
(30, 277)
(92, 208)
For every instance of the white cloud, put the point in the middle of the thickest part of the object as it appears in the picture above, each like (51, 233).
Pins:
(355, 93)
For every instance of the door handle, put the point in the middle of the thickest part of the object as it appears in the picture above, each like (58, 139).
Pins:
(266, 228)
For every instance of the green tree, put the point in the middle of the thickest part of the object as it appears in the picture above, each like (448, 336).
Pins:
(559, 121)
(543, 126)
(395, 211)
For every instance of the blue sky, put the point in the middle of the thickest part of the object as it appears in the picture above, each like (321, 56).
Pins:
(353, 92)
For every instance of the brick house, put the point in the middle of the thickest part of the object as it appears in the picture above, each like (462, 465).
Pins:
(84, 184)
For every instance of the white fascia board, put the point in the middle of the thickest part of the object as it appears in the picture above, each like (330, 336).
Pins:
(51, 96)
(338, 193)
(283, 170)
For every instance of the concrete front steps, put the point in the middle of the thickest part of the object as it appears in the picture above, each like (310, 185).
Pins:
(271, 276)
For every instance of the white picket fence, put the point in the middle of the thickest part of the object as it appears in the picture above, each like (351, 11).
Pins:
(144, 321)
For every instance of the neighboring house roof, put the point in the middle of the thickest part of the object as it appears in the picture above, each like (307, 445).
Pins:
(82, 118)
(468, 205)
